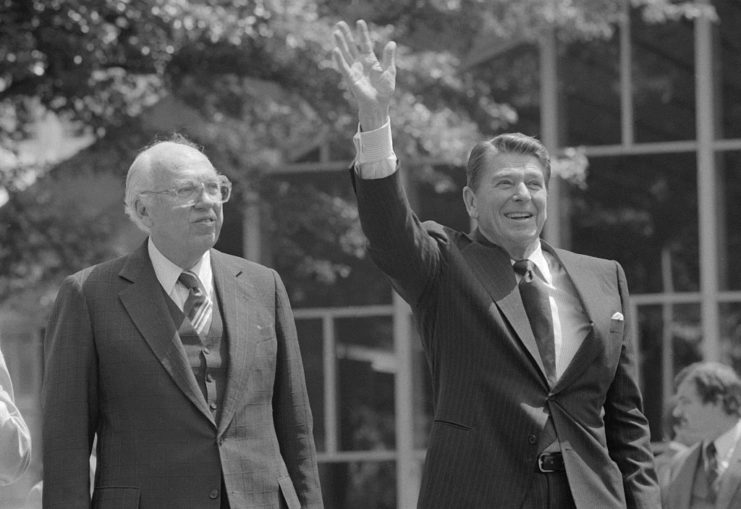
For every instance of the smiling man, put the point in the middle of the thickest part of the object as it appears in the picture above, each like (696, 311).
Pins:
(535, 393)
(183, 360)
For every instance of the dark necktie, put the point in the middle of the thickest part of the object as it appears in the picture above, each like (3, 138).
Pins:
(538, 308)
(711, 469)
(197, 306)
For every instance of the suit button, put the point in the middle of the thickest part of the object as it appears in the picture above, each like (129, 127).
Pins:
(221, 441)
(531, 439)
(214, 494)
(206, 351)
(212, 406)
(209, 378)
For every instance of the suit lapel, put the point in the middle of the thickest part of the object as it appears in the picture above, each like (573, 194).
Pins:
(730, 481)
(589, 292)
(679, 492)
(493, 270)
(145, 302)
(234, 292)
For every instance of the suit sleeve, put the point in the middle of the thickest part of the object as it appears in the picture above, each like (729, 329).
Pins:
(626, 426)
(69, 399)
(292, 413)
(402, 248)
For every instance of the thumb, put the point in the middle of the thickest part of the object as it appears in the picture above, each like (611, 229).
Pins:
(389, 57)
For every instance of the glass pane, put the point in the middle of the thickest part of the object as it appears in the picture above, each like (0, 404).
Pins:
(730, 334)
(729, 66)
(366, 485)
(683, 336)
(641, 211)
(513, 78)
(312, 352)
(590, 88)
(729, 259)
(663, 80)
(314, 241)
(366, 367)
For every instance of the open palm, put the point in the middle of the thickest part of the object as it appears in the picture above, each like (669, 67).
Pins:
(371, 82)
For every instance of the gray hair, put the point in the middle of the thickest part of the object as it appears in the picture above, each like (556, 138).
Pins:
(140, 176)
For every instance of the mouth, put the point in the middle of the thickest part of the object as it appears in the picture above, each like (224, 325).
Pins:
(519, 216)
(205, 220)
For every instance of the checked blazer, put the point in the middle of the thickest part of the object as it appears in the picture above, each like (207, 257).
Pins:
(115, 367)
(490, 395)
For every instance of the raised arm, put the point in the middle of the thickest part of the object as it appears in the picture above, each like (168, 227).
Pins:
(371, 82)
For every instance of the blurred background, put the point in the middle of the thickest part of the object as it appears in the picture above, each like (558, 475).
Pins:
(639, 100)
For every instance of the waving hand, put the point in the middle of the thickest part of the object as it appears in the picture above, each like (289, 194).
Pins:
(371, 82)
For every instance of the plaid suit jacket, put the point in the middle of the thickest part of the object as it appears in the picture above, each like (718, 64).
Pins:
(115, 367)
(490, 395)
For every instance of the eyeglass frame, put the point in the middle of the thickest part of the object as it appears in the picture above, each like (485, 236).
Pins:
(198, 188)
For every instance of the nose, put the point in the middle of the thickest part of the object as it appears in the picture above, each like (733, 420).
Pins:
(677, 412)
(205, 197)
(521, 192)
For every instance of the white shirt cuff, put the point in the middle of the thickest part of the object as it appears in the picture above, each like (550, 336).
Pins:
(374, 152)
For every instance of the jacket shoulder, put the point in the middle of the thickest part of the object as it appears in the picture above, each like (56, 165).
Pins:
(237, 263)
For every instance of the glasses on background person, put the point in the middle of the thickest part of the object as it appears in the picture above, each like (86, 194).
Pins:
(187, 193)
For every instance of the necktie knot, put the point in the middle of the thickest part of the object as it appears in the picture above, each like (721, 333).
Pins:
(198, 306)
(190, 281)
(525, 268)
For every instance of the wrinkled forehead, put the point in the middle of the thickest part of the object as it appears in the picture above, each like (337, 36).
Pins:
(688, 390)
(510, 163)
(174, 162)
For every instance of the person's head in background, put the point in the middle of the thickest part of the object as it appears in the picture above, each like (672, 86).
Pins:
(708, 400)
(174, 194)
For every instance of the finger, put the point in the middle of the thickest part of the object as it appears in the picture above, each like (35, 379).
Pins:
(342, 47)
(365, 44)
(389, 57)
(349, 40)
(341, 63)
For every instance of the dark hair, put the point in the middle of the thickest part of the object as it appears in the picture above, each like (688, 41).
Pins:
(508, 143)
(715, 383)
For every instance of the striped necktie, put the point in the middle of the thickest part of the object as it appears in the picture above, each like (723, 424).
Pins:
(198, 305)
(538, 309)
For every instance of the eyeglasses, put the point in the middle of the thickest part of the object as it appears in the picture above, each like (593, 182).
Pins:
(219, 189)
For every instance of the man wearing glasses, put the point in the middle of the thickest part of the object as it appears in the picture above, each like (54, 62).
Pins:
(182, 359)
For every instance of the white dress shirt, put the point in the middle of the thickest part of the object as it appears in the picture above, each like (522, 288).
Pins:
(725, 446)
(168, 273)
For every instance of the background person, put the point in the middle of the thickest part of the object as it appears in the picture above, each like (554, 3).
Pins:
(708, 474)
(536, 402)
(15, 439)
(182, 359)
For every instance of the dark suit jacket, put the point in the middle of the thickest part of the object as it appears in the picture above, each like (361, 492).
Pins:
(678, 493)
(491, 398)
(115, 366)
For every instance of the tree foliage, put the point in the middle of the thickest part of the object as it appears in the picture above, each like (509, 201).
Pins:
(259, 74)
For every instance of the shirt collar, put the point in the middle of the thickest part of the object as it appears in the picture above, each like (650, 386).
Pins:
(168, 273)
(540, 261)
(725, 443)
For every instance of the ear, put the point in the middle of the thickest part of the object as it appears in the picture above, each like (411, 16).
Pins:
(469, 199)
(143, 212)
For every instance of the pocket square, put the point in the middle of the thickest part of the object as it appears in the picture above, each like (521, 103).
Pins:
(618, 316)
